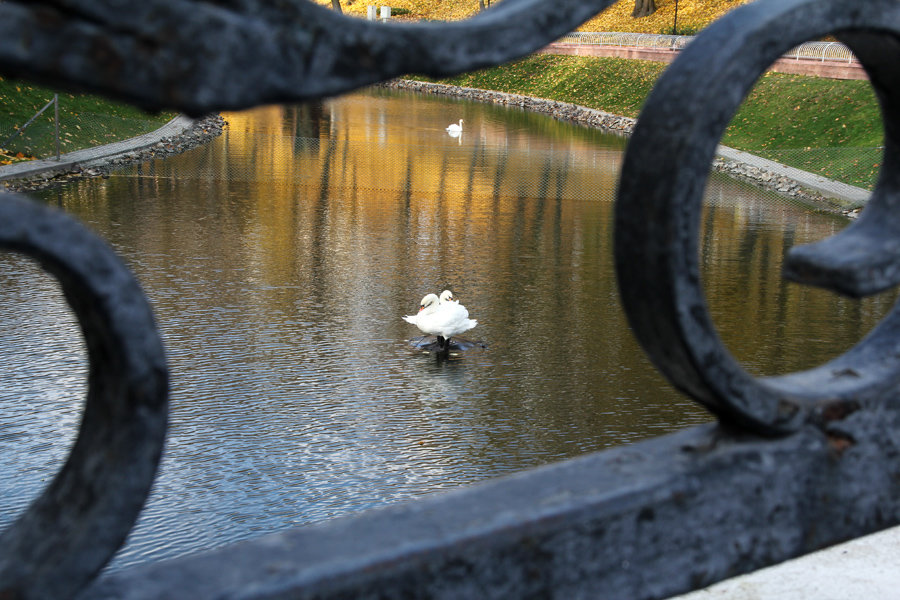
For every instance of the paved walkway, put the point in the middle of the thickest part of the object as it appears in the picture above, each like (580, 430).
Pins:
(848, 196)
(73, 161)
(865, 568)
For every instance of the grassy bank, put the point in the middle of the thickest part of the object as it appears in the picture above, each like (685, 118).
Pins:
(84, 121)
(826, 126)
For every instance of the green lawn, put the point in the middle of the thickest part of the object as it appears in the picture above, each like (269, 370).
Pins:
(84, 121)
(826, 126)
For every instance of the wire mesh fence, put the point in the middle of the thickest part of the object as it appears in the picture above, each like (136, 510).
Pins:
(51, 130)
(854, 166)
(19, 131)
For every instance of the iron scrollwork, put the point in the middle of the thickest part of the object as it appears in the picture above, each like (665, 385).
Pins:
(82, 517)
(659, 202)
(195, 57)
(199, 57)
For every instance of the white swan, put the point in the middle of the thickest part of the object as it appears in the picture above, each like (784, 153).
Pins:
(453, 128)
(443, 320)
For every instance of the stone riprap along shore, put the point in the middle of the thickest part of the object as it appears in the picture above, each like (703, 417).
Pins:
(186, 134)
(559, 110)
(816, 191)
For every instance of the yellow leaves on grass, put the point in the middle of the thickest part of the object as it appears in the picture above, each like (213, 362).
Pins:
(7, 158)
(696, 13)
(440, 10)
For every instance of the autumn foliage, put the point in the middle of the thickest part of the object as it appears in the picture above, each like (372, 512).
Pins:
(693, 14)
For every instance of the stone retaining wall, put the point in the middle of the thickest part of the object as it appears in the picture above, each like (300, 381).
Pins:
(802, 66)
(559, 110)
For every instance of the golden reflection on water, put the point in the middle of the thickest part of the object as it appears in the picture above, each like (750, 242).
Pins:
(456, 197)
(774, 326)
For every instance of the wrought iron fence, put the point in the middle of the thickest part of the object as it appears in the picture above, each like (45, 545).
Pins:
(797, 462)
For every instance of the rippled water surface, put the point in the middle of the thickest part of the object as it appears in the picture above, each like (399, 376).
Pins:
(279, 260)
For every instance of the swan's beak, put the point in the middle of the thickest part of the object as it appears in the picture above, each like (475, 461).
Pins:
(421, 308)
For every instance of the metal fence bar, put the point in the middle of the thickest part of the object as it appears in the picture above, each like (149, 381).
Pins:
(30, 121)
(56, 122)
(649, 520)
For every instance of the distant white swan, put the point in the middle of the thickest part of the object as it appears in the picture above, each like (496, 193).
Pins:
(453, 128)
(441, 319)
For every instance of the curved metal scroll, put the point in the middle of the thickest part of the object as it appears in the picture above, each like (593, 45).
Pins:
(659, 203)
(197, 57)
(202, 56)
(69, 532)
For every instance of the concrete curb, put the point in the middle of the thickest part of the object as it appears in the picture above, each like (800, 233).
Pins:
(88, 157)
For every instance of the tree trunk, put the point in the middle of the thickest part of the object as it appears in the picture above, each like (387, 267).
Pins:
(481, 4)
(336, 5)
(642, 8)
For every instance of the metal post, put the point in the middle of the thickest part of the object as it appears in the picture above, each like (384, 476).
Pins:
(56, 121)
(675, 21)
(21, 129)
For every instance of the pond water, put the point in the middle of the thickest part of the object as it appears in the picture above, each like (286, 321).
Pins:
(279, 260)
